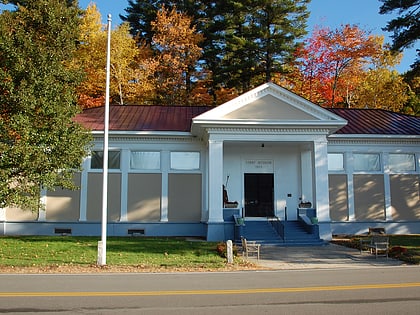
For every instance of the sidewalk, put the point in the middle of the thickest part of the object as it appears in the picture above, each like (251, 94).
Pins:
(319, 257)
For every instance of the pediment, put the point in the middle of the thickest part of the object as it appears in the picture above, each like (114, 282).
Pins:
(268, 105)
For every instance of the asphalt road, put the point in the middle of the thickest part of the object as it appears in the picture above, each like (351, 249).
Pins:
(387, 290)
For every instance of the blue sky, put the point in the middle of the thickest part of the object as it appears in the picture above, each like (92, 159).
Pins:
(331, 13)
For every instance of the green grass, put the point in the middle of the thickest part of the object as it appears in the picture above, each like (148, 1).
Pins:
(403, 247)
(39, 251)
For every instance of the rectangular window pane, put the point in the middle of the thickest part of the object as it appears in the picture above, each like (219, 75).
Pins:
(145, 160)
(97, 160)
(185, 160)
(402, 162)
(366, 162)
(335, 162)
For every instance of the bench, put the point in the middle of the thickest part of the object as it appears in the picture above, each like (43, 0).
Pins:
(379, 245)
(377, 242)
(250, 247)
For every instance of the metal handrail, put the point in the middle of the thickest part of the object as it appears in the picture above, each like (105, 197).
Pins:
(277, 225)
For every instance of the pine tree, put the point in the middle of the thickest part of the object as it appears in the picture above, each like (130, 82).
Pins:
(405, 27)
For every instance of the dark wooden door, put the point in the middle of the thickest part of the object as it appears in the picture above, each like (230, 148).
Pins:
(259, 195)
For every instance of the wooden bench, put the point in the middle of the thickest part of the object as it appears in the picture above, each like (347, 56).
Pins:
(379, 245)
(250, 247)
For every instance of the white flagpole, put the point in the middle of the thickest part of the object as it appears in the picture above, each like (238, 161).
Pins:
(102, 243)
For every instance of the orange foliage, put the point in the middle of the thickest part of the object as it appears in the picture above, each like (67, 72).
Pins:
(87, 101)
(331, 62)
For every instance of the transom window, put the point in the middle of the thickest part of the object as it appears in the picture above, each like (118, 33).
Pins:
(97, 160)
(366, 162)
(144, 160)
(335, 162)
(185, 160)
(402, 162)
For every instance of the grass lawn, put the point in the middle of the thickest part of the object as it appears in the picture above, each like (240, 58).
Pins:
(403, 247)
(138, 252)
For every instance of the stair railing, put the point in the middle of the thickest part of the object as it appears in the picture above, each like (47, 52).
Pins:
(277, 225)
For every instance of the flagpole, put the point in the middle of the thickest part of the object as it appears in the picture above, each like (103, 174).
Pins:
(102, 243)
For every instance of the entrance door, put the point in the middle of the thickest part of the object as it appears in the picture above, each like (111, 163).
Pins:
(259, 196)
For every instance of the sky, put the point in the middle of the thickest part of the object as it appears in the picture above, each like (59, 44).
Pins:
(331, 13)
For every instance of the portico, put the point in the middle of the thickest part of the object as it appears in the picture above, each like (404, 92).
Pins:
(267, 139)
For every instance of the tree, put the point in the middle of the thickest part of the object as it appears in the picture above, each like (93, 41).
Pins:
(141, 14)
(405, 27)
(382, 87)
(90, 56)
(129, 80)
(245, 42)
(332, 61)
(251, 41)
(40, 144)
(177, 52)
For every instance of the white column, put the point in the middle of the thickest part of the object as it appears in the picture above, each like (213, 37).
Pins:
(321, 180)
(165, 162)
(321, 188)
(215, 173)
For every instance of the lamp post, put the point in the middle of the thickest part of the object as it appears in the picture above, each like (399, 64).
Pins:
(102, 243)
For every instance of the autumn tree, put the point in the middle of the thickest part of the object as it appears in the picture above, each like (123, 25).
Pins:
(40, 144)
(141, 14)
(332, 61)
(381, 86)
(129, 80)
(177, 52)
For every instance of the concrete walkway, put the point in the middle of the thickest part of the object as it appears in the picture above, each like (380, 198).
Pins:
(319, 257)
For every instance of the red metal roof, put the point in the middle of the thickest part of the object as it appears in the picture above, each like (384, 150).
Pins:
(142, 118)
(377, 121)
(178, 118)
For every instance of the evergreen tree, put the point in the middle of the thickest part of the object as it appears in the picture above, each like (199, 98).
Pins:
(260, 38)
(40, 145)
(405, 27)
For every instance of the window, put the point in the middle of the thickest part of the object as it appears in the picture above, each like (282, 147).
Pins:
(97, 160)
(402, 162)
(185, 160)
(366, 162)
(143, 160)
(335, 162)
